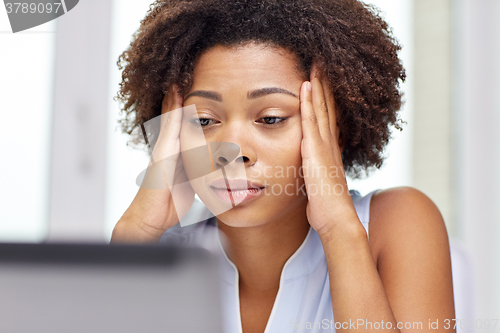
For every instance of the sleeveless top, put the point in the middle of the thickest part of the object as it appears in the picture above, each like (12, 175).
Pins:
(303, 302)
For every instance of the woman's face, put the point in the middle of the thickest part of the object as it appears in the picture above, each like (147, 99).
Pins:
(248, 98)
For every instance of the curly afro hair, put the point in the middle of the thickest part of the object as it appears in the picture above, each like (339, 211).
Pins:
(349, 40)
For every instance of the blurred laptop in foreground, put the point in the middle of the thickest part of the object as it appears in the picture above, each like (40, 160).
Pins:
(56, 288)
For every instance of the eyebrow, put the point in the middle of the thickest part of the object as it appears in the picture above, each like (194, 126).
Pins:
(250, 95)
(266, 91)
(206, 94)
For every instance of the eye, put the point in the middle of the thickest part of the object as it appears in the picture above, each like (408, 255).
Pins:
(200, 122)
(273, 120)
(204, 122)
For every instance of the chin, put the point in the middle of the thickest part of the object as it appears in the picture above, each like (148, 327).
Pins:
(243, 216)
(259, 213)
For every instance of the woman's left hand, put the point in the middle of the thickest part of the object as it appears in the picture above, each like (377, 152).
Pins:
(329, 202)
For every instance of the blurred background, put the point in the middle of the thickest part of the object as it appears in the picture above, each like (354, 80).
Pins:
(67, 173)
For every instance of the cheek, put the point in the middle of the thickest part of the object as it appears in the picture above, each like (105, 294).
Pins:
(191, 136)
(289, 146)
(195, 156)
(185, 146)
(285, 151)
(290, 154)
(184, 143)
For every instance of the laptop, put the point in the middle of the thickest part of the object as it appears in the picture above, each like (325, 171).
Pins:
(91, 288)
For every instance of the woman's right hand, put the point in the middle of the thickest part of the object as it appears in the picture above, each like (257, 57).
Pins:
(153, 211)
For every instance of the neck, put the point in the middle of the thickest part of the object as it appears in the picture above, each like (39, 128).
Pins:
(260, 252)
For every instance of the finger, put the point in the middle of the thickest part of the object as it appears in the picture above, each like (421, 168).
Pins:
(173, 127)
(175, 114)
(319, 103)
(168, 103)
(332, 109)
(167, 144)
(310, 129)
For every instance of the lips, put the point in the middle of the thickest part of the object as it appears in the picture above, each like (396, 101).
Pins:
(236, 191)
(235, 184)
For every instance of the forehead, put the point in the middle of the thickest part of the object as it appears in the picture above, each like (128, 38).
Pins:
(252, 64)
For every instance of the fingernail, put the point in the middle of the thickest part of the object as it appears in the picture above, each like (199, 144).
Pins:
(309, 86)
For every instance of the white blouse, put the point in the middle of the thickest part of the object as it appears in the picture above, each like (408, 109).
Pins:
(303, 302)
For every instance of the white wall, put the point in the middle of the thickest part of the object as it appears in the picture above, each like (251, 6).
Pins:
(78, 135)
(124, 163)
(477, 145)
(26, 80)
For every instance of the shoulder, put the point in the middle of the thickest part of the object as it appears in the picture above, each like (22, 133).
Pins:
(410, 247)
(403, 215)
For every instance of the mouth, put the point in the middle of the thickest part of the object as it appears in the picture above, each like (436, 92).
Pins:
(236, 191)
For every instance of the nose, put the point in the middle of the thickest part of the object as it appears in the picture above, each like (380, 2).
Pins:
(225, 152)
